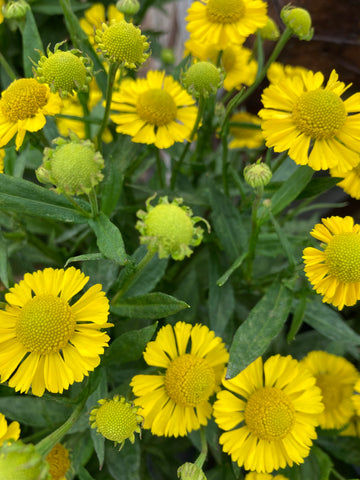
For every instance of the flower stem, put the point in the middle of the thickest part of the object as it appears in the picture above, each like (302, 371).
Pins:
(131, 279)
(7, 67)
(178, 164)
(77, 206)
(109, 91)
(255, 229)
(204, 449)
(93, 202)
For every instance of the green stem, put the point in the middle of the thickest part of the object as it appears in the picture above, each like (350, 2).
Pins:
(83, 98)
(160, 169)
(204, 449)
(109, 91)
(49, 442)
(225, 150)
(131, 279)
(77, 206)
(255, 229)
(93, 202)
(178, 164)
(337, 475)
(279, 161)
(7, 67)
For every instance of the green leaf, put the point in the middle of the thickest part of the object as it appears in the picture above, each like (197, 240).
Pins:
(225, 276)
(346, 449)
(264, 322)
(27, 198)
(227, 223)
(31, 41)
(124, 465)
(3, 261)
(288, 192)
(129, 346)
(109, 239)
(84, 258)
(83, 474)
(151, 306)
(319, 185)
(329, 323)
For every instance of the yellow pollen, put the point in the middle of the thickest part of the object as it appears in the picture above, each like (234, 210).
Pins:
(123, 42)
(45, 324)
(343, 257)
(269, 413)
(23, 99)
(228, 59)
(117, 420)
(58, 460)
(225, 11)
(319, 113)
(189, 380)
(332, 390)
(156, 107)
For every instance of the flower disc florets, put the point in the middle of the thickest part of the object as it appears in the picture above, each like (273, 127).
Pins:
(59, 462)
(73, 166)
(169, 228)
(22, 462)
(202, 79)
(299, 21)
(116, 420)
(123, 43)
(65, 72)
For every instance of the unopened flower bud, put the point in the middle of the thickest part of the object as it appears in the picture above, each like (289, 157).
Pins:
(190, 471)
(202, 79)
(167, 56)
(270, 31)
(257, 175)
(16, 9)
(128, 7)
(299, 21)
(22, 462)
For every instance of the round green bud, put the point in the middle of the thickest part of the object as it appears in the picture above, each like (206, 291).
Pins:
(128, 7)
(257, 175)
(190, 471)
(167, 56)
(73, 166)
(22, 462)
(270, 31)
(15, 10)
(202, 79)
(299, 21)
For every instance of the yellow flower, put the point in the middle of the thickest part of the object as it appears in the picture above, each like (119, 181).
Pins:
(8, 432)
(225, 21)
(94, 17)
(2, 156)
(336, 377)
(351, 182)
(269, 414)
(2, 3)
(117, 420)
(59, 462)
(356, 397)
(352, 429)
(245, 136)
(154, 110)
(277, 71)
(176, 401)
(334, 272)
(23, 106)
(264, 476)
(46, 342)
(312, 122)
(236, 60)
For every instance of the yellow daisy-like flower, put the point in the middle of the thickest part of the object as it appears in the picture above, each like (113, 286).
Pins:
(95, 16)
(264, 476)
(2, 3)
(245, 136)
(356, 397)
(312, 122)
(2, 156)
(225, 21)
(277, 71)
(351, 182)
(352, 429)
(269, 414)
(23, 106)
(59, 462)
(176, 401)
(334, 272)
(239, 66)
(46, 342)
(117, 420)
(336, 377)
(154, 110)
(8, 432)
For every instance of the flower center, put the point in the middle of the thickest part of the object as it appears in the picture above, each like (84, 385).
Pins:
(123, 42)
(331, 390)
(45, 324)
(319, 113)
(189, 380)
(58, 460)
(225, 11)
(116, 420)
(65, 71)
(156, 107)
(228, 59)
(343, 257)
(23, 99)
(269, 413)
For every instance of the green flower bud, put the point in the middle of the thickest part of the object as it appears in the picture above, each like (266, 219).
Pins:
(202, 79)
(16, 9)
(22, 462)
(73, 166)
(270, 31)
(116, 420)
(299, 21)
(65, 72)
(257, 175)
(190, 471)
(128, 7)
(167, 56)
(169, 228)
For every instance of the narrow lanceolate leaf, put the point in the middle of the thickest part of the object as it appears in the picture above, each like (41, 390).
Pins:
(264, 322)
(152, 306)
(129, 346)
(31, 42)
(3, 262)
(109, 239)
(329, 323)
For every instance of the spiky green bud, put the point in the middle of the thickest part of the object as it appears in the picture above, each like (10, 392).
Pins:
(299, 21)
